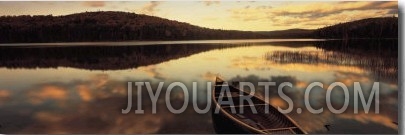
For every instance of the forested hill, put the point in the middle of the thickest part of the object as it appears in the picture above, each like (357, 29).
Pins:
(123, 26)
(106, 26)
(384, 27)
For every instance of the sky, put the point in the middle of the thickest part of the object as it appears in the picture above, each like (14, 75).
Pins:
(228, 15)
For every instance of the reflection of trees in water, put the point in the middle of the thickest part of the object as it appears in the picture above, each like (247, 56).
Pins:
(387, 48)
(97, 57)
(381, 58)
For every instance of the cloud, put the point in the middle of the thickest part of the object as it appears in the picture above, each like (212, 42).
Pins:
(209, 2)
(94, 3)
(150, 8)
(316, 10)
(264, 7)
(316, 14)
(393, 11)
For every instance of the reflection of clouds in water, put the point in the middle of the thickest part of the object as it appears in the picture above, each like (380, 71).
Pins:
(93, 118)
(211, 58)
(301, 84)
(100, 80)
(209, 76)
(314, 123)
(94, 105)
(4, 93)
(152, 71)
(250, 63)
(348, 78)
(317, 68)
(4, 96)
(84, 92)
(372, 118)
(47, 92)
(275, 101)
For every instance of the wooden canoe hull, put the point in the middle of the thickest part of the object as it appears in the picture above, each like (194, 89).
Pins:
(224, 125)
(262, 122)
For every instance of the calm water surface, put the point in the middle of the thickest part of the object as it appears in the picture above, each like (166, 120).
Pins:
(83, 89)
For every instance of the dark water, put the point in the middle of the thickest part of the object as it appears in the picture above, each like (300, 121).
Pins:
(82, 89)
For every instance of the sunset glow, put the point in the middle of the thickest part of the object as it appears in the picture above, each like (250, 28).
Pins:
(230, 15)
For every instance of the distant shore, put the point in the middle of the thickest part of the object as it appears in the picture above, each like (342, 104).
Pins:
(97, 27)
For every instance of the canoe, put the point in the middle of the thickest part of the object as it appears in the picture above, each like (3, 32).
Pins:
(248, 122)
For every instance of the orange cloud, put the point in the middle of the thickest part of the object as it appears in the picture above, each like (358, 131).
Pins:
(315, 15)
(324, 9)
(94, 3)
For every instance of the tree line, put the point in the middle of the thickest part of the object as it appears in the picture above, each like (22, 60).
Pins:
(375, 28)
(106, 26)
(125, 26)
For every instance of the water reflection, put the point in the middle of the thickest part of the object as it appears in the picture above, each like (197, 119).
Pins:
(380, 59)
(98, 57)
(90, 105)
(62, 96)
(384, 122)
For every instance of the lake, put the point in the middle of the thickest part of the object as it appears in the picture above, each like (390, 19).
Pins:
(57, 88)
